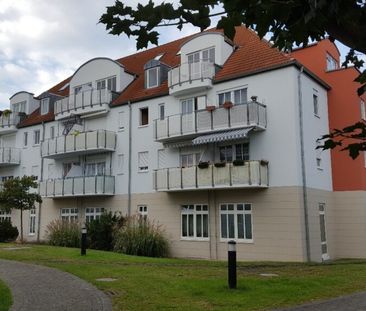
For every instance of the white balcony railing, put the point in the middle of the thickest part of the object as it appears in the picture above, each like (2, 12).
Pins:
(253, 174)
(252, 114)
(9, 121)
(88, 100)
(9, 156)
(81, 143)
(77, 186)
(188, 72)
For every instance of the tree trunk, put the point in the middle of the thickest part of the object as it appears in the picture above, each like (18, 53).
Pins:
(21, 225)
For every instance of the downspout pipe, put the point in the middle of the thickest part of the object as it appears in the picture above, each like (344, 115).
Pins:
(41, 179)
(303, 167)
(129, 157)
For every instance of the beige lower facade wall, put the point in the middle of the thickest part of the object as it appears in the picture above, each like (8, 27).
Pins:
(277, 220)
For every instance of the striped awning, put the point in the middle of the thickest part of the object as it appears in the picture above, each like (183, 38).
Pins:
(178, 144)
(222, 136)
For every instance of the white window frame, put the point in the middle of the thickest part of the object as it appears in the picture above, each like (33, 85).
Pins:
(93, 213)
(229, 95)
(363, 109)
(25, 139)
(19, 107)
(106, 83)
(192, 210)
(69, 214)
(142, 210)
(45, 106)
(236, 212)
(36, 134)
(197, 56)
(95, 165)
(161, 111)
(143, 168)
(332, 64)
(157, 75)
(140, 117)
(5, 216)
(32, 221)
(316, 104)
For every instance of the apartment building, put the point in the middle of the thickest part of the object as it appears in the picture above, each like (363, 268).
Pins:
(212, 138)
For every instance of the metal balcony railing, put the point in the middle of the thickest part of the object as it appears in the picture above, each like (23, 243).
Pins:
(77, 186)
(253, 174)
(84, 99)
(9, 156)
(9, 120)
(252, 114)
(85, 142)
(188, 72)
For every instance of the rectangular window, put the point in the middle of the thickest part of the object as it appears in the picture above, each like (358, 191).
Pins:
(224, 97)
(120, 160)
(363, 110)
(4, 216)
(19, 107)
(95, 169)
(45, 105)
(69, 214)
(112, 84)
(35, 172)
(331, 63)
(32, 221)
(187, 106)
(236, 221)
(161, 111)
(101, 85)
(207, 55)
(226, 153)
(142, 210)
(93, 213)
(25, 139)
(71, 169)
(144, 116)
(316, 105)
(239, 96)
(242, 152)
(121, 120)
(143, 161)
(52, 132)
(37, 136)
(187, 160)
(194, 221)
(152, 77)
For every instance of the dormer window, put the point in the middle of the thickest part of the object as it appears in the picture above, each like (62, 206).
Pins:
(109, 83)
(19, 107)
(45, 105)
(152, 76)
(332, 64)
(207, 55)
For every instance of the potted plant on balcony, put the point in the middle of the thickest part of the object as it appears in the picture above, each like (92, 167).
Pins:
(203, 165)
(263, 162)
(254, 98)
(6, 113)
(238, 162)
(210, 108)
(228, 104)
(220, 164)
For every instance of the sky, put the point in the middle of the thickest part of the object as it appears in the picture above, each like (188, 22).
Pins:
(42, 42)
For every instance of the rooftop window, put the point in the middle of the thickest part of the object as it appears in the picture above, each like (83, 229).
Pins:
(332, 64)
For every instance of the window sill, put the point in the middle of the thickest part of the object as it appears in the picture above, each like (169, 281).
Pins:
(320, 169)
(143, 171)
(238, 241)
(195, 239)
(142, 126)
(36, 145)
(31, 234)
(317, 116)
(121, 130)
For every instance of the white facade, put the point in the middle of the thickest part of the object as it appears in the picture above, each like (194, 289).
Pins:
(131, 161)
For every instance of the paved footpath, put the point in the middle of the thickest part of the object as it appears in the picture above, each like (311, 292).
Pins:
(355, 302)
(38, 288)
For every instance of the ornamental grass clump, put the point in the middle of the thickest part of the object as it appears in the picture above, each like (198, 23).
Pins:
(63, 233)
(141, 237)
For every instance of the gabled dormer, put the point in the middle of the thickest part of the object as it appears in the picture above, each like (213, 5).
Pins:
(156, 73)
(201, 57)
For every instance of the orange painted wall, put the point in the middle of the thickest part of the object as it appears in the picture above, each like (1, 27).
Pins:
(343, 108)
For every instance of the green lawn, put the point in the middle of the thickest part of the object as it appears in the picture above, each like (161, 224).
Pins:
(5, 297)
(159, 284)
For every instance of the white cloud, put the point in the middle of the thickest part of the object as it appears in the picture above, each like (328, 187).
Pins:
(44, 42)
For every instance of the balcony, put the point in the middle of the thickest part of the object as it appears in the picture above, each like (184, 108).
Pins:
(191, 77)
(85, 103)
(9, 156)
(8, 123)
(253, 174)
(82, 186)
(98, 141)
(188, 126)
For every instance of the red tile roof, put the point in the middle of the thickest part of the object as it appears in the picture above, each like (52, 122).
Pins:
(251, 55)
(36, 118)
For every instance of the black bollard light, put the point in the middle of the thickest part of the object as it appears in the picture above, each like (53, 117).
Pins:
(83, 241)
(232, 264)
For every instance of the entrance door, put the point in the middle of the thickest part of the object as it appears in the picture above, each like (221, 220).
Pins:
(323, 233)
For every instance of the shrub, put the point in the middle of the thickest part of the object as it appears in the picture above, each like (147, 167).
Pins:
(8, 233)
(141, 237)
(101, 231)
(63, 233)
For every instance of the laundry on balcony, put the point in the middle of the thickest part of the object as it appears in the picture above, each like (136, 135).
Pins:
(222, 136)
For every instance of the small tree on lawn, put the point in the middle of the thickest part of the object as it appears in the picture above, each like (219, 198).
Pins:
(16, 194)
